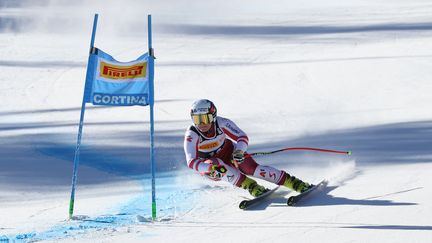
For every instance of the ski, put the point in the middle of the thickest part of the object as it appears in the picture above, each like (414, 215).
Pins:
(245, 204)
(293, 200)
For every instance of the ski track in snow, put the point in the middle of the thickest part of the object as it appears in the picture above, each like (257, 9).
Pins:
(176, 209)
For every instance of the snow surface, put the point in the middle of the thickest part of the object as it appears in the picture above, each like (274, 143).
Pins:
(345, 75)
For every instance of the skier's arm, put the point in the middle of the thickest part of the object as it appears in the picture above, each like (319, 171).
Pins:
(190, 146)
(234, 133)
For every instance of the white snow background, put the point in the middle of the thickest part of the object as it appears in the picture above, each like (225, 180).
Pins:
(346, 75)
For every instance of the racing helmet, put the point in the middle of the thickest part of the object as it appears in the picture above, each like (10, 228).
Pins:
(203, 111)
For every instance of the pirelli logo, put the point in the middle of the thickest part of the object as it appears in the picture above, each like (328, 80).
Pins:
(211, 145)
(111, 71)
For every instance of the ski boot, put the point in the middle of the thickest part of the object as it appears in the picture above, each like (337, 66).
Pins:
(252, 186)
(296, 184)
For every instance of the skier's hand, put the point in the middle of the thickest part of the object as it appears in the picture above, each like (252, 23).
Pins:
(216, 171)
(238, 157)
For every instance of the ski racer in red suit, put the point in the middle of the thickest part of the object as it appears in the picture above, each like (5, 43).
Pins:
(216, 148)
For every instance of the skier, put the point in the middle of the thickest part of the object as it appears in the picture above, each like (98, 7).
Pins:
(216, 148)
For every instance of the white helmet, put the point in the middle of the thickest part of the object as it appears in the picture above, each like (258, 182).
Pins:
(203, 112)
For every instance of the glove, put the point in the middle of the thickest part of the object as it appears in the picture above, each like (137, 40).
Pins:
(238, 157)
(216, 171)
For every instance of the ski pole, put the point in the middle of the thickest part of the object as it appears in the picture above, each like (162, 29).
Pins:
(299, 148)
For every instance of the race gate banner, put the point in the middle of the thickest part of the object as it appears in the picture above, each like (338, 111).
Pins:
(113, 83)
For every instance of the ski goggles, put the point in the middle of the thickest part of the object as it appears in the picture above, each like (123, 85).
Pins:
(202, 119)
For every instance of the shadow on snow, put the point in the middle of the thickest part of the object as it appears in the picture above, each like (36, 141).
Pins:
(284, 30)
(322, 198)
(406, 142)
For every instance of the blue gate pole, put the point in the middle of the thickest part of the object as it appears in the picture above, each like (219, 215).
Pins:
(151, 101)
(81, 124)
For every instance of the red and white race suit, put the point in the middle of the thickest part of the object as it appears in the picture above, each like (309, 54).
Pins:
(216, 147)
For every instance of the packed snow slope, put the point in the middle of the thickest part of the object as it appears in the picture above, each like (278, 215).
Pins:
(344, 75)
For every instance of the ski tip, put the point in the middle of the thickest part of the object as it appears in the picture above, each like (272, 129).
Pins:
(243, 205)
(322, 183)
(290, 201)
(349, 152)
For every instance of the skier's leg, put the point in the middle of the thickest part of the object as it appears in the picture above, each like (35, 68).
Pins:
(268, 173)
(296, 184)
(271, 174)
